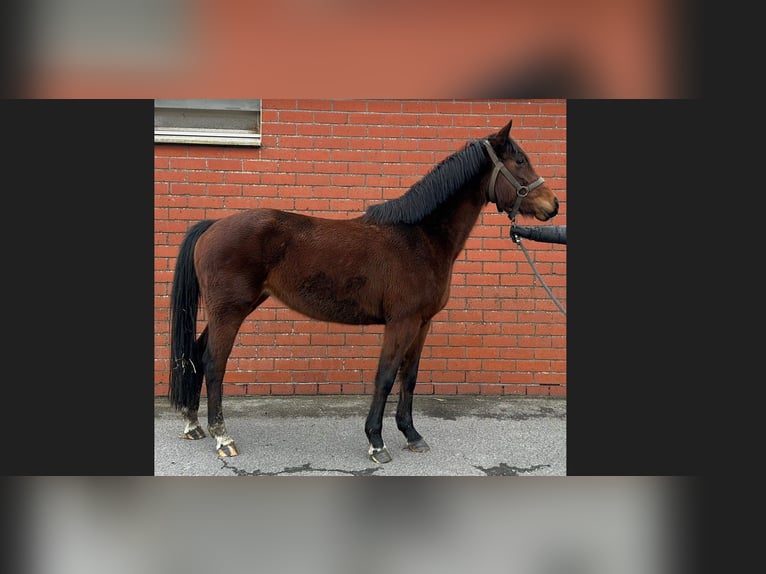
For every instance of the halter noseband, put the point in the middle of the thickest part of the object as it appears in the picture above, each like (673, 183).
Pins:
(521, 190)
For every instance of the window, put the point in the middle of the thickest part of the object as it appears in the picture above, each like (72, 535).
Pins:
(217, 122)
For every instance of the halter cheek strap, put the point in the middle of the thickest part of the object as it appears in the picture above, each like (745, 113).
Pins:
(521, 190)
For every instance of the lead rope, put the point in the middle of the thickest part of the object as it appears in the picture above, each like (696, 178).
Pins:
(517, 240)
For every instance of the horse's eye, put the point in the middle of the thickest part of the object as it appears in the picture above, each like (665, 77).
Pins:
(521, 160)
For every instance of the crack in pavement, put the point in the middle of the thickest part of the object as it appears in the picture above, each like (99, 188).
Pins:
(295, 469)
(504, 470)
(450, 412)
(542, 413)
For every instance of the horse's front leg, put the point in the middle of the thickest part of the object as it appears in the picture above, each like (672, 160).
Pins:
(408, 377)
(397, 338)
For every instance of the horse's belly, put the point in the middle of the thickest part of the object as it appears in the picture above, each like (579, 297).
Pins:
(320, 296)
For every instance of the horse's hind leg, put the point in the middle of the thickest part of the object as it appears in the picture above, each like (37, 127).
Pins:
(223, 327)
(408, 375)
(192, 429)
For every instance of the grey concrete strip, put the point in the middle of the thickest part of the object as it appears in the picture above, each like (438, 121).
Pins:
(324, 436)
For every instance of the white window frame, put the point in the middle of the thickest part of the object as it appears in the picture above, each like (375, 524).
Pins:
(193, 122)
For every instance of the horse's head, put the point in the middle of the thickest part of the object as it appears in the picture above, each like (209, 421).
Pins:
(514, 185)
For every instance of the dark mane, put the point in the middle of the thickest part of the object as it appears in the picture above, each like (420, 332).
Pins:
(436, 186)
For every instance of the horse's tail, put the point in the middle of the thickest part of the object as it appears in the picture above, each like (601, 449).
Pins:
(184, 302)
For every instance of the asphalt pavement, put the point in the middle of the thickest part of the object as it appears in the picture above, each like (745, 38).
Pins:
(469, 435)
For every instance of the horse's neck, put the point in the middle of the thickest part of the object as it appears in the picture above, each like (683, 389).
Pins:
(451, 223)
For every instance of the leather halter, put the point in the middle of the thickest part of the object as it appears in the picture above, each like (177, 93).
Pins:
(521, 190)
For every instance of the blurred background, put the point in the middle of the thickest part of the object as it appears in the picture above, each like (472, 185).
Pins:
(351, 48)
(564, 525)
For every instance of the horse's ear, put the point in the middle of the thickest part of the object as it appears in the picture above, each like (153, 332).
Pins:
(501, 137)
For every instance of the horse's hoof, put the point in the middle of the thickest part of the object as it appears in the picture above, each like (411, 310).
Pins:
(227, 450)
(418, 446)
(379, 455)
(194, 434)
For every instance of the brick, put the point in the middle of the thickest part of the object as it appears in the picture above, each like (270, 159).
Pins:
(349, 105)
(388, 106)
(385, 131)
(419, 107)
(514, 390)
(294, 117)
(269, 377)
(224, 189)
(234, 390)
(258, 389)
(479, 377)
(306, 388)
(453, 108)
(331, 117)
(323, 130)
(557, 391)
(224, 164)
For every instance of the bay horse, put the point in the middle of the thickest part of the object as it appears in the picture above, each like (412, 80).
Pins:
(391, 266)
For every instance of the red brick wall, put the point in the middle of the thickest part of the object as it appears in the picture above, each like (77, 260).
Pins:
(500, 332)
